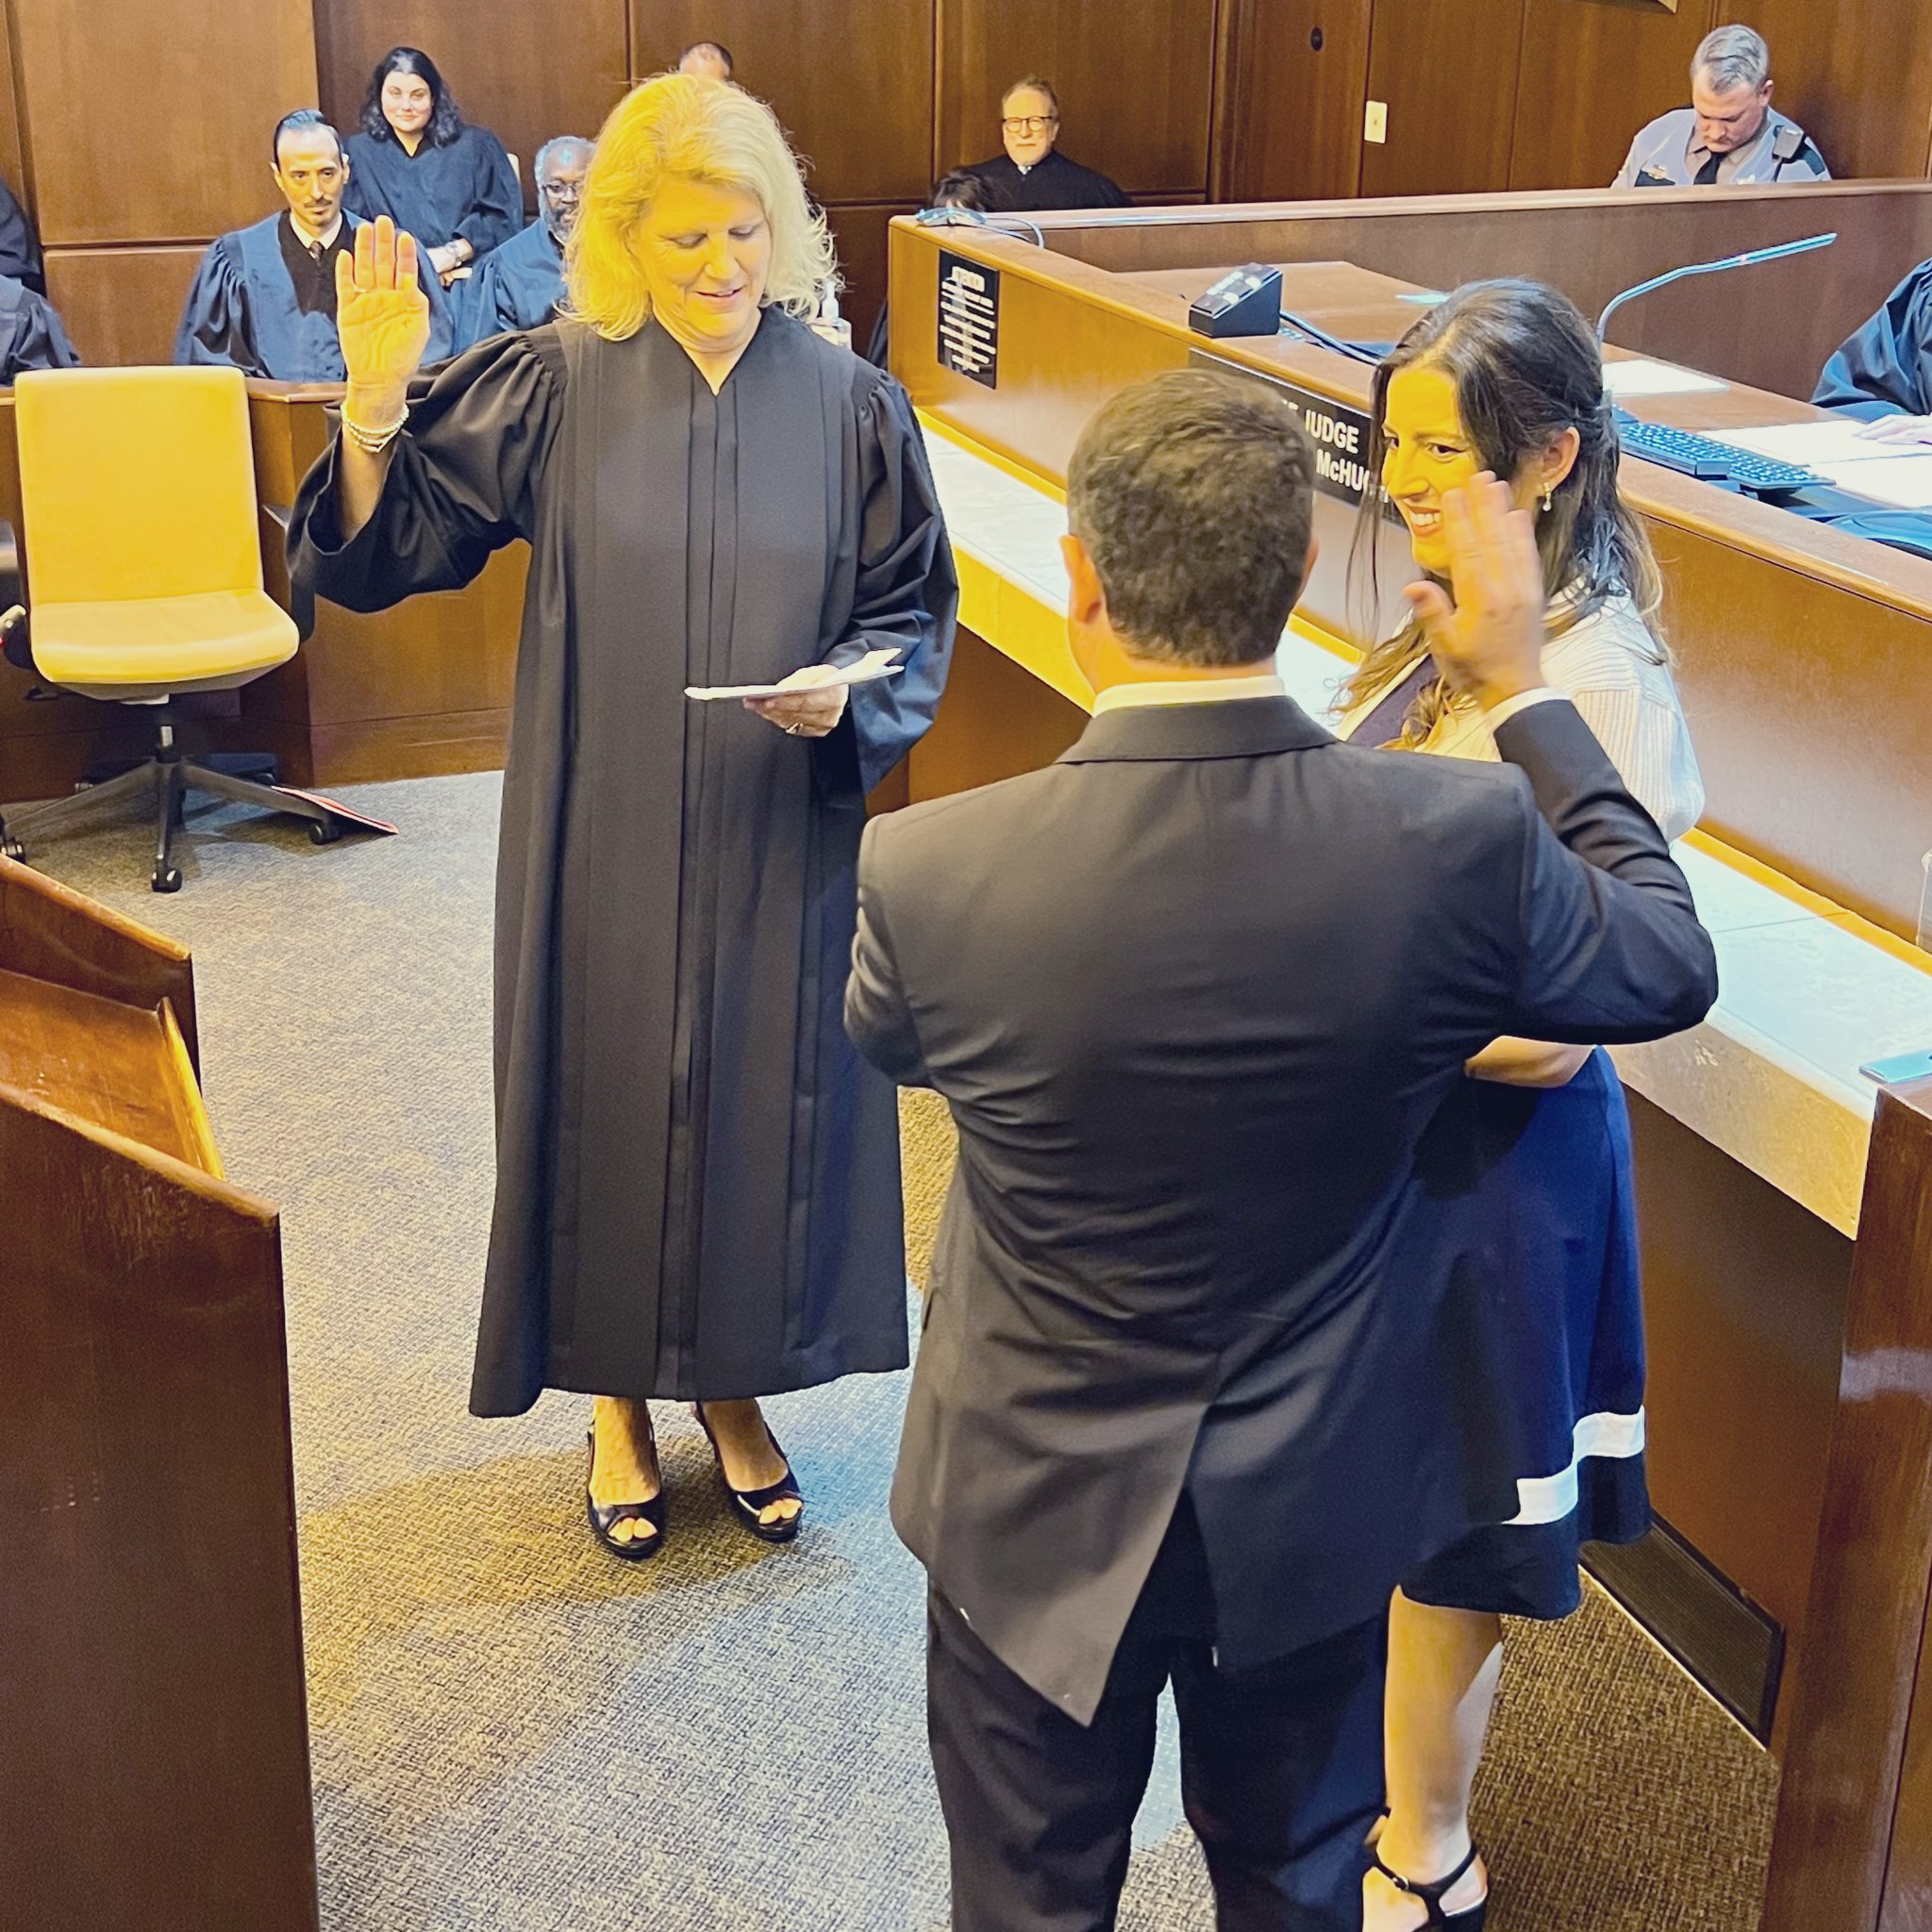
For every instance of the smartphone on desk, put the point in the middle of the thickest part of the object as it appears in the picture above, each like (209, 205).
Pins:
(1901, 1066)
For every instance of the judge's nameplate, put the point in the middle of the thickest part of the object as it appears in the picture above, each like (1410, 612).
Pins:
(1339, 431)
(969, 319)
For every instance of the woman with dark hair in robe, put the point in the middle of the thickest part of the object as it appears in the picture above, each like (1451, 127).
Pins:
(697, 1189)
(416, 160)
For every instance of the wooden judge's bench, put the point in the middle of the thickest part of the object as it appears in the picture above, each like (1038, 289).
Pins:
(1785, 1204)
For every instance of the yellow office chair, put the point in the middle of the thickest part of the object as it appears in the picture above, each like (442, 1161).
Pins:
(144, 566)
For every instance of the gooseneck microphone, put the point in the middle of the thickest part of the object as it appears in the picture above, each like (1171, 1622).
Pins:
(1749, 259)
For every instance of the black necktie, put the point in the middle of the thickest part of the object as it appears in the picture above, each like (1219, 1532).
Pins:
(315, 251)
(1706, 176)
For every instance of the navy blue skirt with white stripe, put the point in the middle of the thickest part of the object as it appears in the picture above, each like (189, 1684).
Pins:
(1529, 1195)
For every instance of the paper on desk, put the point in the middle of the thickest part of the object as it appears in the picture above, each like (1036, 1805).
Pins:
(1905, 481)
(1638, 376)
(1813, 444)
(808, 677)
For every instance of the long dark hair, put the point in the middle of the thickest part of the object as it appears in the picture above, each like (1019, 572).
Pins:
(1527, 366)
(445, 117)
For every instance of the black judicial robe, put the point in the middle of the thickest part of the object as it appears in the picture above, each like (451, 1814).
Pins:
(697, 1186)
(1055, 183)
(1886, 368)
(31, 333)
(467, 189)
(519, 285)
(19, 247)
(243, 310)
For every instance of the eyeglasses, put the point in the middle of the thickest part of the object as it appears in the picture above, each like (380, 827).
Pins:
(1029, 124)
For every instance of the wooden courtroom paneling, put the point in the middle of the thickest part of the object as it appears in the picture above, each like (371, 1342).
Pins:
(150, 122)
(1857, 74)
(157, 1770)
(1134, 83)
(524, 71)
(12, 146)
(1592, 73)
(122, 305)
(849, 79)
(1447, 69)
(1743, 1298)
(1854, 1810)
(1289, 99)
(1591, 245)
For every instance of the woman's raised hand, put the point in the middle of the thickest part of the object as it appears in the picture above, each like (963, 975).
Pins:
(382, 315)
(1489, 640)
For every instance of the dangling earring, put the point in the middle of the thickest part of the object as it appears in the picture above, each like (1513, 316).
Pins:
(1548, 494)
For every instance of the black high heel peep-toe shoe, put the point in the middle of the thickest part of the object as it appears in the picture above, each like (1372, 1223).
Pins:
(1430, 1897)
(749, 1504)
(604, 1518)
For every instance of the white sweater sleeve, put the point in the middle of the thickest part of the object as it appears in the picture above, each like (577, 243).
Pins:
(1646, 739)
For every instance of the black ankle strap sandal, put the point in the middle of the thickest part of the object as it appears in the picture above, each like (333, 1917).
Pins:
(1431, 1896)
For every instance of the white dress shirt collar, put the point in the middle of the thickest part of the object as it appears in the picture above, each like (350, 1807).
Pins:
(1188, 690)
(327, 237)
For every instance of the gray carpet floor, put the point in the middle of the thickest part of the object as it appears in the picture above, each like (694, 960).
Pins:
(511, 1730)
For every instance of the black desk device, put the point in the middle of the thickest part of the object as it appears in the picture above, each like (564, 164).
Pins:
(1244, 302)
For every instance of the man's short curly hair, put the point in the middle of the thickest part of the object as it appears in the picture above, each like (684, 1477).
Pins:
(1194, 495)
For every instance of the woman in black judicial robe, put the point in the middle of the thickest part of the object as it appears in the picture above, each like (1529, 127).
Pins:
(698, 1177)
(416, 160)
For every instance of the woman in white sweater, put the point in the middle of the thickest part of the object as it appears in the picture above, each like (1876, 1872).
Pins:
(1531, 1202)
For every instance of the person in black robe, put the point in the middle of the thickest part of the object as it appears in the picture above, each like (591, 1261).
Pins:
(697, 1189)
(521, 284)
(415, 159)
(263, 300)
(1033, 174)
(19, 247)
(1884, 371)
(31, 336)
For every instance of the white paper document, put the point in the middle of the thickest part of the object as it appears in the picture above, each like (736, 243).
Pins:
(1826, 440)
(1638, 375)
(1902, 481)
(873, 665)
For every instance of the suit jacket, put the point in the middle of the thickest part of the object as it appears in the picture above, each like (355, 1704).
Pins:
(1193, 993)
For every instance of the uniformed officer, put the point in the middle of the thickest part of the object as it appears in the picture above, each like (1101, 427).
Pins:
(1730, 136)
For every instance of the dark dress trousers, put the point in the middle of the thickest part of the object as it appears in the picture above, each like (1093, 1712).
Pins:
(1055, 183)
(1193, 993)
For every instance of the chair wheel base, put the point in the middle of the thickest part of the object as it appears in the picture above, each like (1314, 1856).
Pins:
(324, 831)
(167, 878)
(14, 849)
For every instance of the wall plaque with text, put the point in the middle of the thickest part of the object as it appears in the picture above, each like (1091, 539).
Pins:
(969, 319)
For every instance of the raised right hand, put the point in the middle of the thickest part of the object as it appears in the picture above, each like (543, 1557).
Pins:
(382, 315)
(1489, 642)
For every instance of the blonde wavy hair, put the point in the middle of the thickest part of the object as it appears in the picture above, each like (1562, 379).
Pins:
(684, 126)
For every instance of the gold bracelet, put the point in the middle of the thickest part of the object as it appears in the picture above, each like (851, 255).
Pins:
(373, 440)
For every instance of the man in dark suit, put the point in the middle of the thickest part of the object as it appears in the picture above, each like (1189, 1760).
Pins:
(1186, 1409)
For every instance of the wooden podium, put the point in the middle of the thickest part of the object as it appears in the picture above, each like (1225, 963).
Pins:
(154, 1761)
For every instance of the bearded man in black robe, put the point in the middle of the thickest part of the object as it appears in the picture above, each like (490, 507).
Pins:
(697, 1189)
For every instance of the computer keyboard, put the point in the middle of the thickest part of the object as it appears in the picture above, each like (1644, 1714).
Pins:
(1716, 462)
